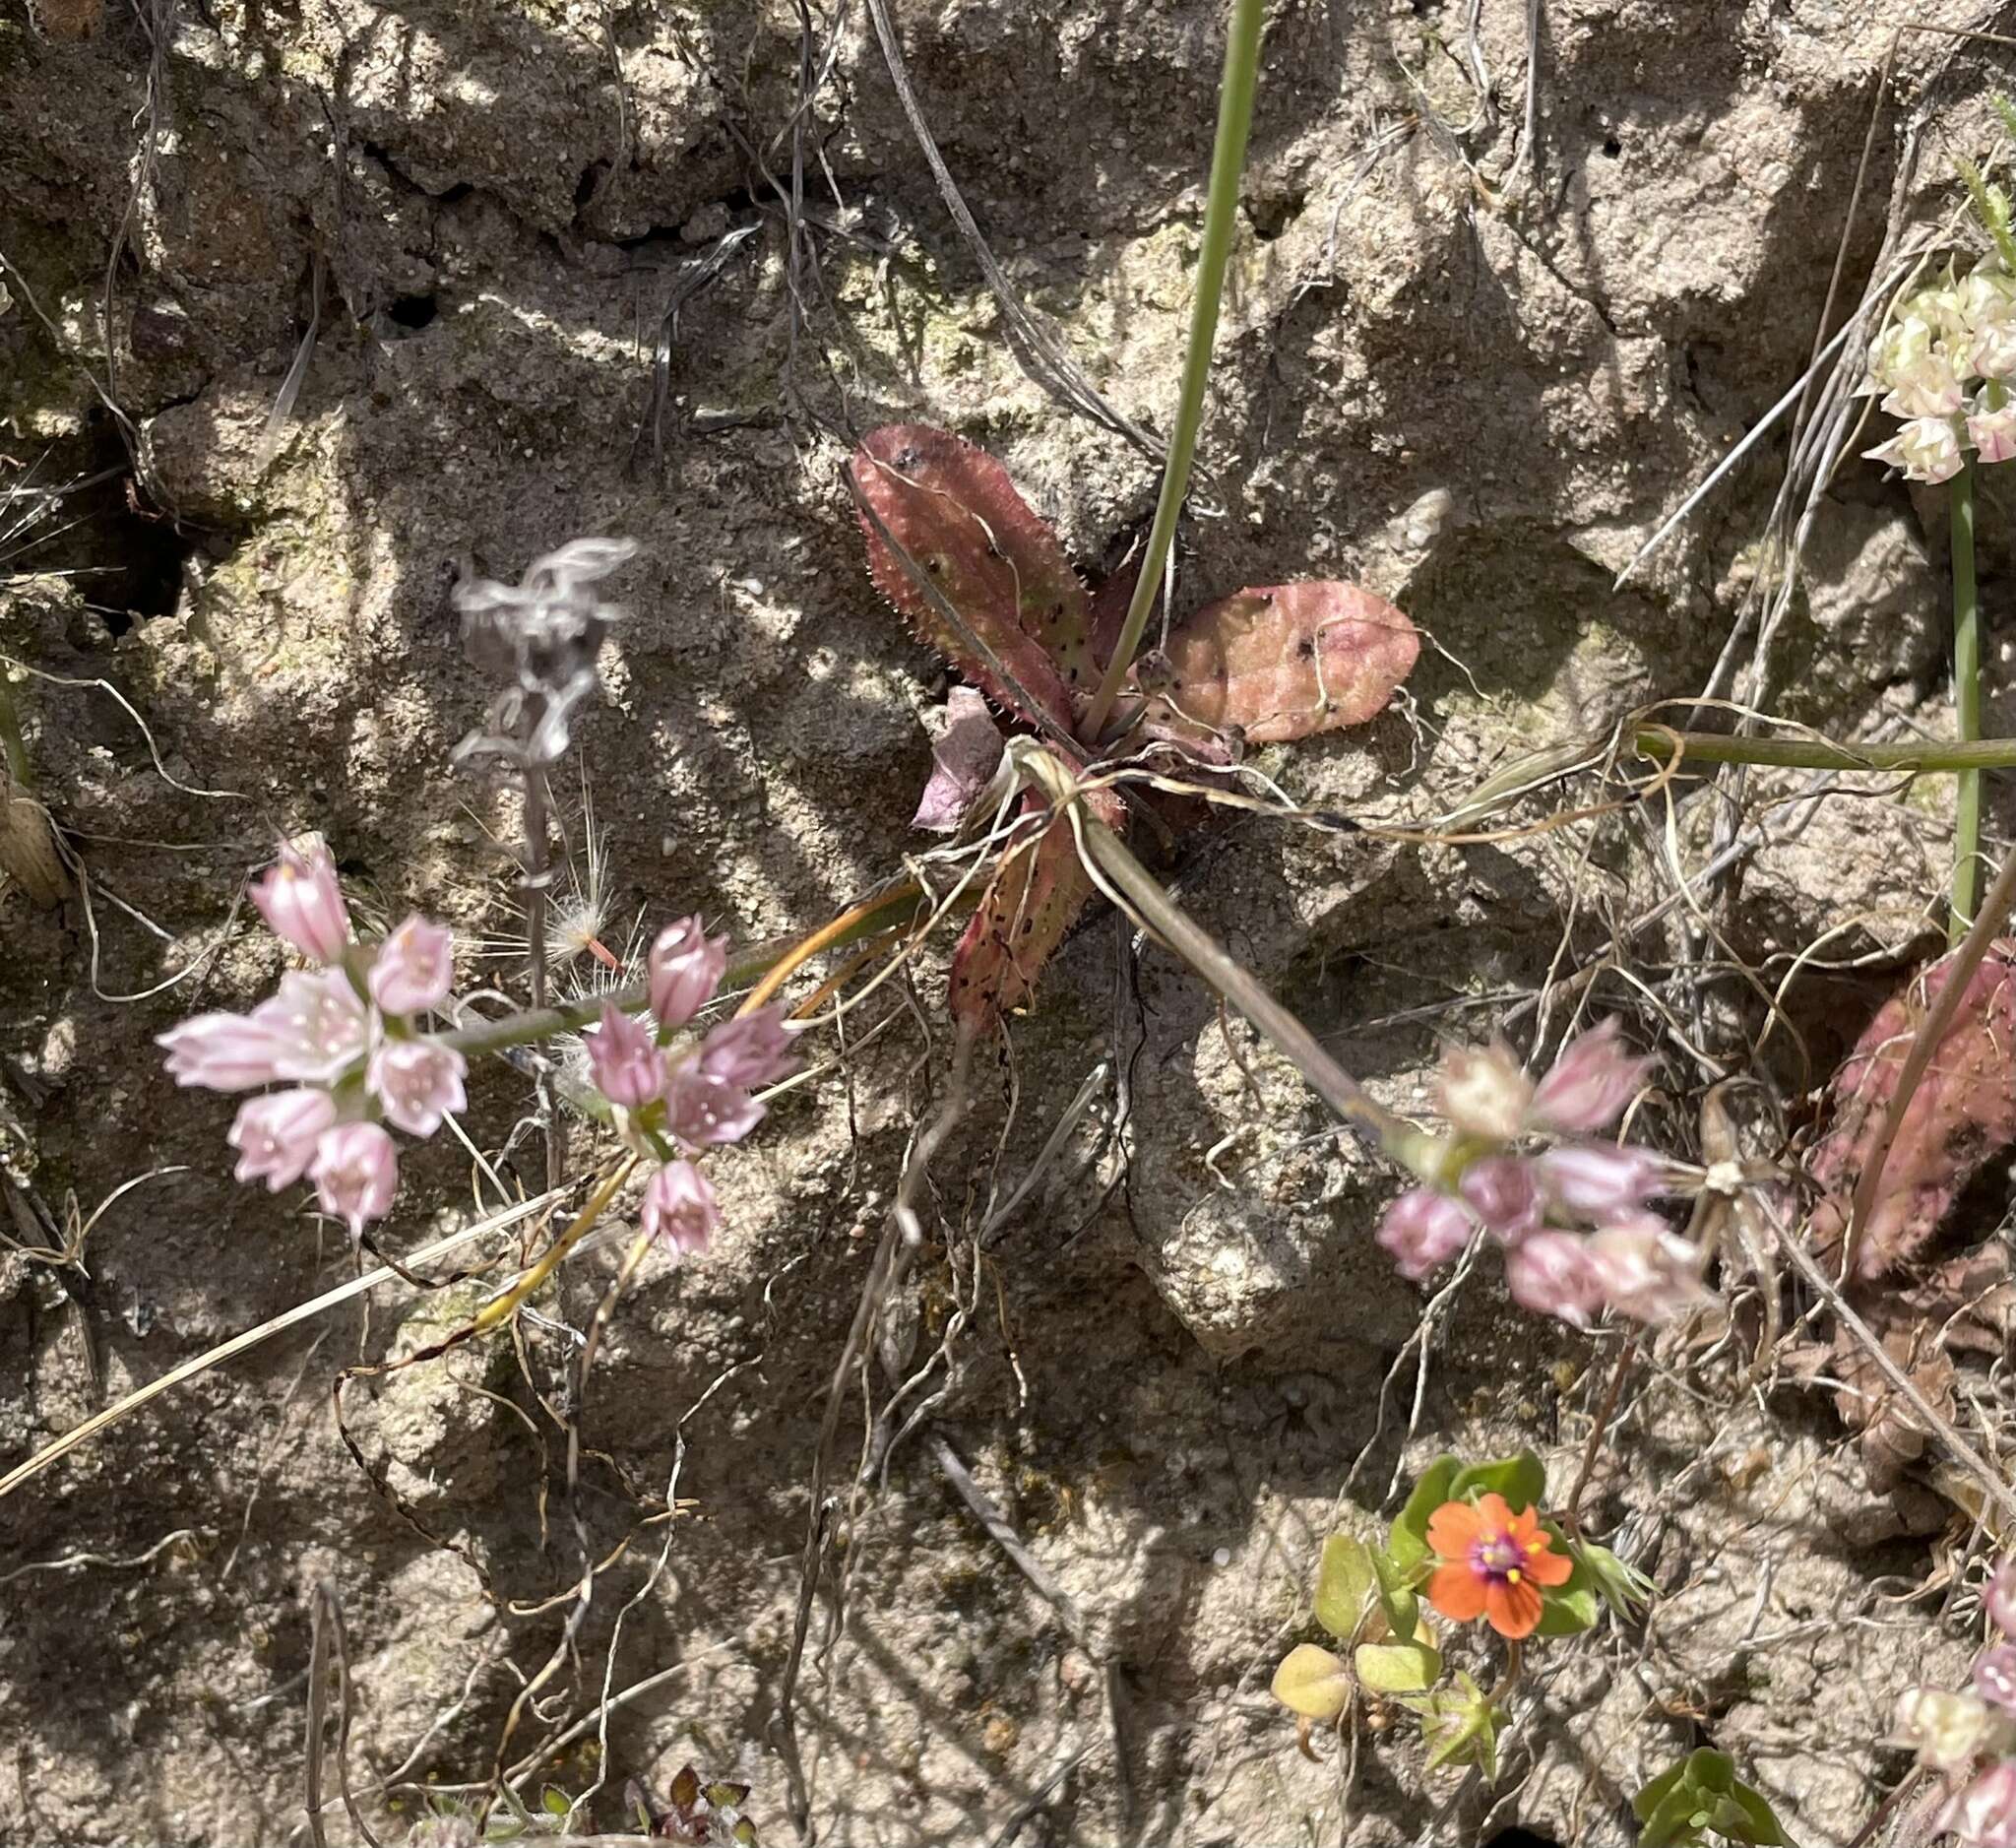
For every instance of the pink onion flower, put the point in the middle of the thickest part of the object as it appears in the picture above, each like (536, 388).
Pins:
(415, 967)
(355, 1172)
(275, 1135)
(419, 1083)
(623, 1056)
(680, 1208)
(301, 903)
(342, 1036)
(685, 968)
(1999, 1599)
(1571, 1215)
(1983, 1814)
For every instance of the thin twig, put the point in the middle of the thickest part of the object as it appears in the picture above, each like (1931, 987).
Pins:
(1962, 1452)
(1004, 1536)
(1041, 354)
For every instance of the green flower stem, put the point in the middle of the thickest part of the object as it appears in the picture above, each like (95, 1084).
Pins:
(523, 1029)
(1966, 703)
(1718, 748)
(1221, 209)
(1120, 869)
(13, 746)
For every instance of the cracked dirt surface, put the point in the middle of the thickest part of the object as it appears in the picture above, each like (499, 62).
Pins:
(1471, 369)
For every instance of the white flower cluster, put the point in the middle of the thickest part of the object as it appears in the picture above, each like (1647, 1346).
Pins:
(1939, 342)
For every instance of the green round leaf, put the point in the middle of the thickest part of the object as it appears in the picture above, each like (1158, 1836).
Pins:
(1312, 1682)
(1396, 1599)
(1345, 1585)
(1709, 1769)
(1522, 1480)
(1676, 1822)
(1658, 1791)
(1398, 1668)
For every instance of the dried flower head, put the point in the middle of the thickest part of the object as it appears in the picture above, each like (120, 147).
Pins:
(541, 637)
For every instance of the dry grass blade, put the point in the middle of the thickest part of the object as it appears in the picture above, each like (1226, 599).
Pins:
(1041, 353)
(326, 1636)
(253, 1337)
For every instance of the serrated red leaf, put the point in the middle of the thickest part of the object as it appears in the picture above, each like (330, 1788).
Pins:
(1034, 899)
(1962, 1112)
(952, 508)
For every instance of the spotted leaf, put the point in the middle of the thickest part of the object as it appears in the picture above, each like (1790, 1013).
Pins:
(952, 509)
(1281, 661)
(1962, 1112)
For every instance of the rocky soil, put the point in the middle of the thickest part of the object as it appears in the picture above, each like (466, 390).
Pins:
(385, 292)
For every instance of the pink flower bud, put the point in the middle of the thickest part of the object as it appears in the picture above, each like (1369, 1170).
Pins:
(1993, 353)
(1994, 1677)
(416, 1082)
(1483, 1092)
(413, 969)
(224, 1051)
(703, 1112)
(1644, 1272)
(1595, 1181)
(2000, 1597)
(300, 900)
(629, 1069)
(1422, 1230)
(319, 1021)
(750, 1051)
(1593, 1078)
(1983, 1814)
(275, 1135)
(1500, 1191)
(685, 968)
(355, 1172)
(679, 1207)
(1993, 432)
(1551, 1273)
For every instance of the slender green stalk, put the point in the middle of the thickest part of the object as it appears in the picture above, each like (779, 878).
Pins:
(1220, 210)
(522, 1029)
(1718, 748)
(1196, 946)
(1966, 704)
(13, 746)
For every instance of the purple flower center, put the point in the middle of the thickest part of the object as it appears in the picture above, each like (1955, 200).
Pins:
(1500, 1556)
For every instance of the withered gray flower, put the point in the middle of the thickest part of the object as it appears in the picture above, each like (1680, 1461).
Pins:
(541, 638)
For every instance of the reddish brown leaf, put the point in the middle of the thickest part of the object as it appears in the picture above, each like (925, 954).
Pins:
(952, 508)
(1963, 1112)
(1034, 898)
(1281, 661)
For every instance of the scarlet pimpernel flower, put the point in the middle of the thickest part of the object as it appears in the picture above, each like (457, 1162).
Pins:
(1493, 1564)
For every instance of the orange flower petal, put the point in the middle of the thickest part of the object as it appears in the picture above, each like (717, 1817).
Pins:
(1453, 1529)
(1457, 1593)
(1512, 1610)
(1523, 1527)
(1494, 1514)
(1546, 1566)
